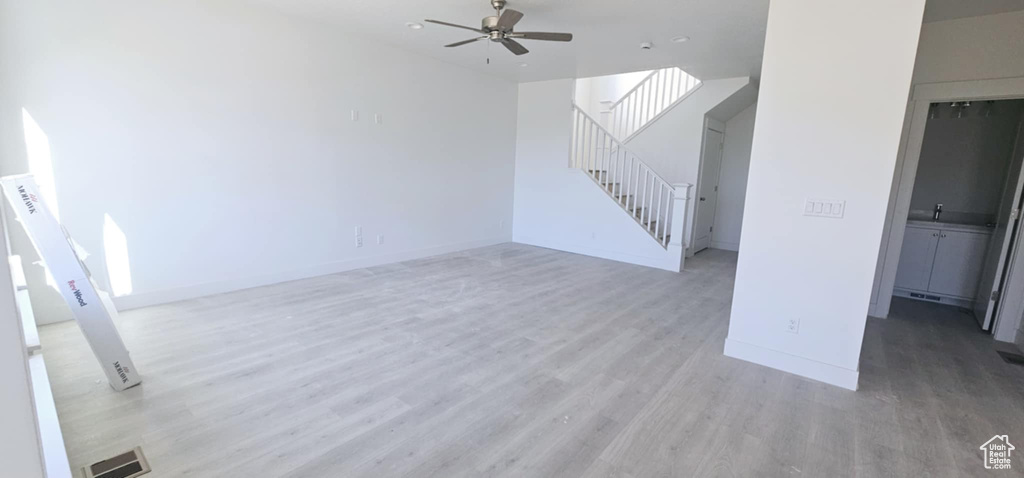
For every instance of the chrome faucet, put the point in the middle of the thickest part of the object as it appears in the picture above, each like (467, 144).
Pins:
(938, 212)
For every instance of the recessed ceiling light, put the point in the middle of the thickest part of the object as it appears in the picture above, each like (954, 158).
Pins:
(524, 65)
(683, 39)
(414, 25)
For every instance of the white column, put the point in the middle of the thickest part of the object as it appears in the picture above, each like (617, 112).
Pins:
(677, 239)
(803, 283)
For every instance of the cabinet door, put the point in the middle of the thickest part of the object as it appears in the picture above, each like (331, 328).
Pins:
(959, 260)
(916, 258)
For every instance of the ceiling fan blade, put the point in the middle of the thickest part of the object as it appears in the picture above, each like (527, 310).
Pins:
(456, 26)
(471, 40)
(546, 36)
(508, 19)
(514, 47)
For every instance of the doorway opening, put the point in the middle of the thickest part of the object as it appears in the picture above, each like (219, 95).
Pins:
(707, 187)
(722, 182)
(962, 225)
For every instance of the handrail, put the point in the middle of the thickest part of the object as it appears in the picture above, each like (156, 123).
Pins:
(638, 85)
(618, 144)
(632, 183)
(648, 100)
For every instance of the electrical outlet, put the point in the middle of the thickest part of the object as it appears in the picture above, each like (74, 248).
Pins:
(501, 224)
(380, 239)
(359, 236)
(355, 115)
(793, 326)
(377, 118)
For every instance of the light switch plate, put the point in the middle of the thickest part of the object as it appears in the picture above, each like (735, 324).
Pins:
(833, 208)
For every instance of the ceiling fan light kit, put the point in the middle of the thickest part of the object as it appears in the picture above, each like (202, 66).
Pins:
(499, 28)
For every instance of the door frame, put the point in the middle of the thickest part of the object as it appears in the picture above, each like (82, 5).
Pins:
(907, 160)
(718, 127)
(1006, 322)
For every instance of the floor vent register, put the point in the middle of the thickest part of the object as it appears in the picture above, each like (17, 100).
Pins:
(126, 465)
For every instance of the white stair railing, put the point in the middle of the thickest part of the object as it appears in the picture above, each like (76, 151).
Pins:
(648, 100)
(645, 195)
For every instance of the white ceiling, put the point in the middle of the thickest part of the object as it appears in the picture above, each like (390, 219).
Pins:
(938, 10)
(726, 36)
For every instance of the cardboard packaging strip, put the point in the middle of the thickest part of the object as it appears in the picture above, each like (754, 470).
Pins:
(94, 317)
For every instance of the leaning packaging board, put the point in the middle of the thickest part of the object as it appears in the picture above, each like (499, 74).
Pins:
(94, 318)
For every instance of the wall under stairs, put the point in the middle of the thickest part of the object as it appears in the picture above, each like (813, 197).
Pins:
(672, 144)
(560, 207)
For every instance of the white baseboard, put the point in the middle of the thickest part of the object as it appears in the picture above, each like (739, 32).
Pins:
(728, 246)
(874, 311)
(822, 372)
(146, 299)
(663, 263)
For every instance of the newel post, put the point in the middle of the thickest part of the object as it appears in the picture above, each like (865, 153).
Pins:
(680, 215)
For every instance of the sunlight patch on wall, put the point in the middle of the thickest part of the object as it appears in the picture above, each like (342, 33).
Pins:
(40, 164)
(115, 249)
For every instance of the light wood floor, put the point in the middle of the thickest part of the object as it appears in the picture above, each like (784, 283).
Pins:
(519, 361)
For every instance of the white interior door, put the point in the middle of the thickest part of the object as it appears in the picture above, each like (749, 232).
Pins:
(999, 245)
(707, 188)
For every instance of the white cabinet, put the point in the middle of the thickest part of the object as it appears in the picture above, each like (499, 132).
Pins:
(958, 263)
(942, 260)
(917, 258)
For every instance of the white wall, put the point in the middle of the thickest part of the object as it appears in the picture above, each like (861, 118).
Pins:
(812, 140)
(672, 144)
(976, 48)
(732, 182)
(560, 207)
(984, 47)
(217, 136)
(964, 160)
(590, 92)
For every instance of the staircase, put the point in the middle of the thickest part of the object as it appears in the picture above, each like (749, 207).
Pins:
(648, 100)
(640, 191)
(599, 150)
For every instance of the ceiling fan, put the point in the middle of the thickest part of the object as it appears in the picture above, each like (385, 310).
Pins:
(498, 28)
